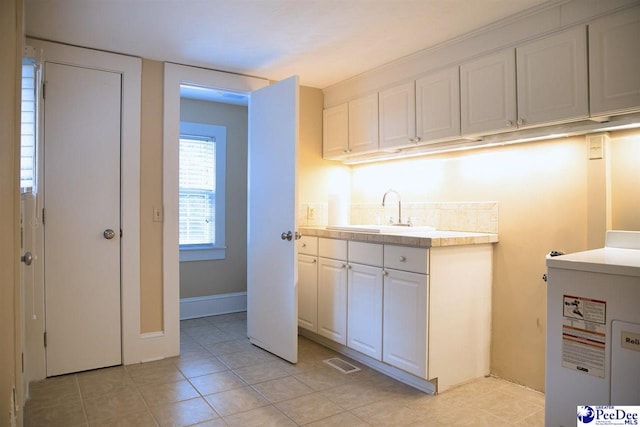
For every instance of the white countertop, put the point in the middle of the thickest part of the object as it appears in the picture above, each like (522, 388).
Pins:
(424, 238)
(605, 260)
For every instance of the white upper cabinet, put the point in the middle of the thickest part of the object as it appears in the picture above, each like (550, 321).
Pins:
(363, 124)
(438, 105)
(488, 94)
(335, 131)
(397, 116)
(614, 63)
(552, 79)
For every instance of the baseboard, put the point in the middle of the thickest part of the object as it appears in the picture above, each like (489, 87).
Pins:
(211, 305)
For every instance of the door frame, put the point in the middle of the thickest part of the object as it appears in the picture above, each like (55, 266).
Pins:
(130, 68)
(174, 76)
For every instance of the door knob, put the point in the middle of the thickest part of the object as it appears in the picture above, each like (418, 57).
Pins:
(286, 235)
(27, 258)
(109, 234)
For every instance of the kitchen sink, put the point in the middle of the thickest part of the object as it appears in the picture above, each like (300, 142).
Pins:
(395, 229)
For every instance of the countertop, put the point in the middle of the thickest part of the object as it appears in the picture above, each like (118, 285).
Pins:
(423, 239)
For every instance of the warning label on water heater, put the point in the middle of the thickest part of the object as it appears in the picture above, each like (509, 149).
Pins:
(584, 335)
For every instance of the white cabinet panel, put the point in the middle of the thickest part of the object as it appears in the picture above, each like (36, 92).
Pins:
(335, 131)
(308, 292)
(332, 299)
(365, 253)
(405, 321)
(406, 258)
(552, 79)
(308, 245)
(438, 105)
(332, 248)
(397, 116)
(364, 307)
(363, 124)
(488, 93)
(614, 63)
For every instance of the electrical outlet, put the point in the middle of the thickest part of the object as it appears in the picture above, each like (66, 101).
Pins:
(311, 213)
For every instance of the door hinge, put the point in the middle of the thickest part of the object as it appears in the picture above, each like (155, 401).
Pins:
(43, 216)
(44, 90)
(22, 355)
(45, 339)
(121, 233)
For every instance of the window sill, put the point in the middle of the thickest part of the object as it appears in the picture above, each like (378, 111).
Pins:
(202, 254)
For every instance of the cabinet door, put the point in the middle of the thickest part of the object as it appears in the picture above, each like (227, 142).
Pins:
(488, 94)
(397, 116)
(308, 292)
(363, 124)
(552, 79)
(364, 305)
(438, 105)
(404, 322)
(335, 131)
(614, 63)
(332, 299)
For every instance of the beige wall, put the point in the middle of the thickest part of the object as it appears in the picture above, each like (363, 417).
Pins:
(625, 180)
(317, 178)
(202, 278)
(10, 51)
(542, 193)
(151, 316)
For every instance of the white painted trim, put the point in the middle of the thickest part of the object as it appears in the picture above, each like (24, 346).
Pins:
(131, 70)
(174, 76)
(148, 335)
(212, 305)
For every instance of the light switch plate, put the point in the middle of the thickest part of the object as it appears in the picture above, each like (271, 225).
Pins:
(157, 214)
(596, 145)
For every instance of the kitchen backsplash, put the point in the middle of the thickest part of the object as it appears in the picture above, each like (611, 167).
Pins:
(481, 217)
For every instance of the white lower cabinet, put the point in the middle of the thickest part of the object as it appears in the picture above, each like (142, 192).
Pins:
(332, 299)
(364, 308)
(404, 321)
(308, 292)
(400, 306)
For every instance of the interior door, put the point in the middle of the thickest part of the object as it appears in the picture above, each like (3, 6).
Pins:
(272, 296)
(82, 129)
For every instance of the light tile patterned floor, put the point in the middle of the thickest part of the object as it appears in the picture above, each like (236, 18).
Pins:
(221, 380)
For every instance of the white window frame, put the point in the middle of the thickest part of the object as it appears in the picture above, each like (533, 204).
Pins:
(30, 62)
(216, 251)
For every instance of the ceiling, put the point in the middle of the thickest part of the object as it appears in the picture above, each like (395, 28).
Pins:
(322, 41)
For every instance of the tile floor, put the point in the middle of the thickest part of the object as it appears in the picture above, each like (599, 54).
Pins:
(221, 380)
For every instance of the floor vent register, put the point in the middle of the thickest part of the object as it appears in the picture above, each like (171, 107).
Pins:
(341, 365)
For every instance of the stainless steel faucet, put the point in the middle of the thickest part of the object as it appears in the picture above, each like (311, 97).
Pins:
(399, 204)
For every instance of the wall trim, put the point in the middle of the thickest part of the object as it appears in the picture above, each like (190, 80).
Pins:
(212, 305)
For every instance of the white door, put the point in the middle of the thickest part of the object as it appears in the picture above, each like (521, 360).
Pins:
(82, 202)
(272, 296)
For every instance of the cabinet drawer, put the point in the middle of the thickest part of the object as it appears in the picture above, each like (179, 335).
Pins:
(308, 245)
(365, 253)
(406, 258)
(332, 248)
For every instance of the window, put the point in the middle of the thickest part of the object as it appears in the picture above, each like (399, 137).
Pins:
(28, 119)
(201, 187)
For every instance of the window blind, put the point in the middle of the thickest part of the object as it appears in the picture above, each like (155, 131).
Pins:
(197, 182)
(28, 126)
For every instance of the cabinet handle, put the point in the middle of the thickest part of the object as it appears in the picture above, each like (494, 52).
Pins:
(313, 261)
(520, 121)
(385, 273)
(344, 266)
(509, 123)
(403, 259)
(304, 245)
(349, 266)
